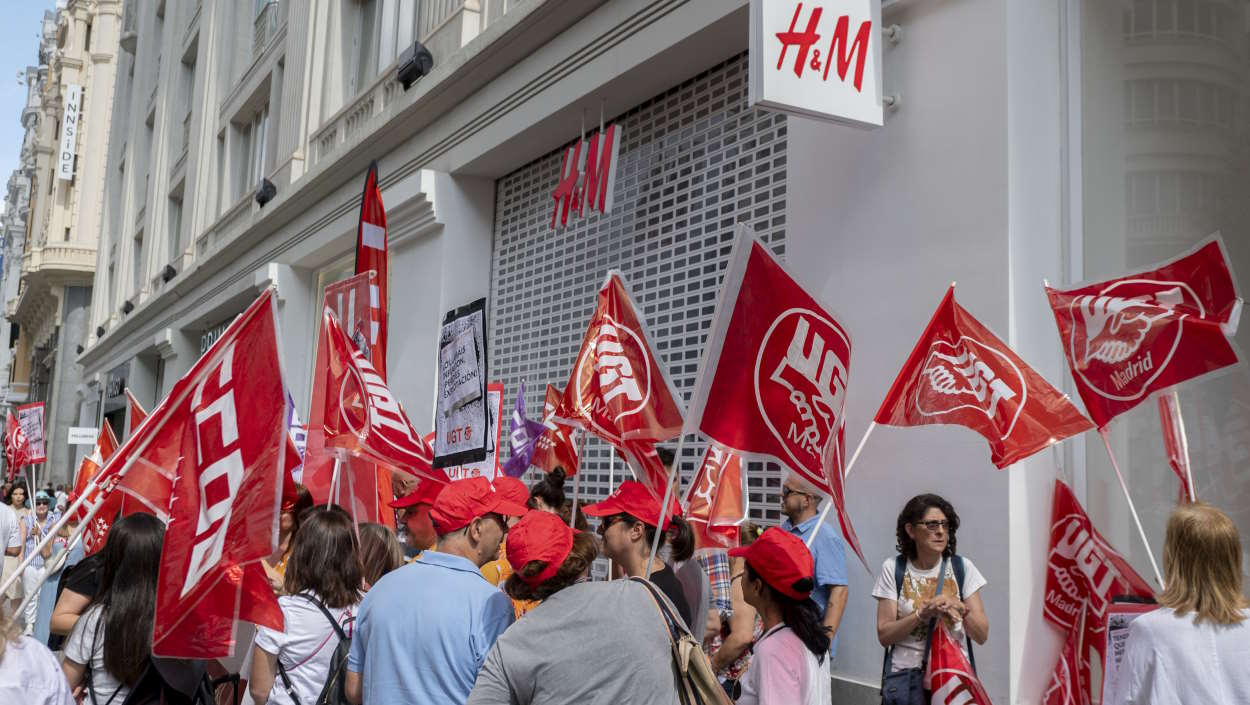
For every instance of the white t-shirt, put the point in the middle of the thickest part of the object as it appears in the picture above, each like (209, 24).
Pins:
(919, 587)
(1172, 661)
(30, 674)
(784, 671)
(305, 648)
(86, 646)
(10, 537)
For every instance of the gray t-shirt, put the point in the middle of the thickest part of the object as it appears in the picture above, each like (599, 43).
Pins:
(590, 643)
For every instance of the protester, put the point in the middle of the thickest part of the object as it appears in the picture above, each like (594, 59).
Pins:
(11, 545)
(34, 527)
(113, 639)
(925, 535)
(322, 582)
(1196, 647)
(62, 555)
(296, 499)
(587, 642)
(729, 648)
(380, 552)
(82, 582)
(29, 672)
(629, 518)
(18, 500)
(547, 494)
(61, 498)
(424, 630)
(790, 661)
(414, 507)
(515, 491)
(801, 505)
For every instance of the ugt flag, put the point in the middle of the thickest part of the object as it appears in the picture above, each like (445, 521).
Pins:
(716, 503)
(220, 434)
(1126, 338)
(619, 389)
(522, 434)
(951, 680)
(961, 373)
(555, 448)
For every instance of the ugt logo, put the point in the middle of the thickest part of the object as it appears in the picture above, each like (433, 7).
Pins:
(619, 368)
(1123, 338)
(807, 53)
(968, 374)
(800, 383)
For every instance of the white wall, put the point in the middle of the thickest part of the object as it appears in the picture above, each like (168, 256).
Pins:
(880, 222)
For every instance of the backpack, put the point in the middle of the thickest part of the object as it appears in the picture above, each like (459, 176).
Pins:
(957, 565)
(332, 692)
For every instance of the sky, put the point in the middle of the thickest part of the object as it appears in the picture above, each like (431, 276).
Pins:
(19, 48)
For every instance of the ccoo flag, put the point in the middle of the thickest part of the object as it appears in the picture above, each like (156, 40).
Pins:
(716, 503)
(1129, 337)
(555, 448)
(961, 373)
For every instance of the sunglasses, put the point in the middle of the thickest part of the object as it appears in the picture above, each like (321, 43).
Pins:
(607, 522)
(786, 492)
(933, 525)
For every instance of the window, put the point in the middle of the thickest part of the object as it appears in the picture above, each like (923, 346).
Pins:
(86, 41)
(251, 149)
(67, 235)
(175, 229)
(139, 263)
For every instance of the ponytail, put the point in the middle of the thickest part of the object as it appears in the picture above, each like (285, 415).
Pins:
(679, 536)
(550, 490)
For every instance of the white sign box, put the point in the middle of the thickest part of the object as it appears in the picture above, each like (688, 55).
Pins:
(69, 132)
(818, 59)
(83, 435)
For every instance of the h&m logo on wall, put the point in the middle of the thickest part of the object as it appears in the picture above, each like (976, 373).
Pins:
(818, 58)
(587, 176)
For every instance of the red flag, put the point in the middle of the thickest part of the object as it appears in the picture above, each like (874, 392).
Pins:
(1084, 573)
(716, 503)
(619, 389)
(1070, 682)
(220, 433)
(555, 447)
(16, 447)
(1175, 444)
(136, 412)
(773, 378)
(961, 373)
(361, 415)
(834, 459)
(371, 256)
(1129, 337)
(951, 679)
(105, 445)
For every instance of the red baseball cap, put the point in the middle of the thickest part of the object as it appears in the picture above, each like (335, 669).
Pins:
(633, 498)
(462, 501)
(425, 493)
(539, 536)
(781, 559)
(513, 489)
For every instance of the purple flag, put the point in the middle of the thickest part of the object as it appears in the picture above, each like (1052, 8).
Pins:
(522, 433)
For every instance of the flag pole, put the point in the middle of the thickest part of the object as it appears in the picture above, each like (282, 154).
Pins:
(577, 479)
(69, 511)
(351, 492)
(1131, 507)
(62, 557)
(1180, 424)
(854, 456)
(668, 495)
(334, 480)
(611, 473)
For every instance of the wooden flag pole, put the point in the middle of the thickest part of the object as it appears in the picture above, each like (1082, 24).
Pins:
(1131, 507)
(847, 473)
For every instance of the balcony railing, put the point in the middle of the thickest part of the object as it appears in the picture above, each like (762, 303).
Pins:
(265, 27)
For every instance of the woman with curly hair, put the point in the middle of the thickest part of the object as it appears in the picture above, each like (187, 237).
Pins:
(580, 625)
(908, 599)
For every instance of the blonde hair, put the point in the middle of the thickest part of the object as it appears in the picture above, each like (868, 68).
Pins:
(1202, 563)
(10, 630)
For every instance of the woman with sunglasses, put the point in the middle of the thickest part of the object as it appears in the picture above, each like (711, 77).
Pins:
(926, 545)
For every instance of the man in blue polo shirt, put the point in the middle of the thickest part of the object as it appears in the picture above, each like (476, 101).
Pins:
(801, 505)
(423, 632)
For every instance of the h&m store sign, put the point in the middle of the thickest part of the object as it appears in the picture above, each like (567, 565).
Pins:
(818, 59)
(587, 176)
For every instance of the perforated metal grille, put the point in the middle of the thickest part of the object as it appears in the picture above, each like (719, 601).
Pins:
(694, 161)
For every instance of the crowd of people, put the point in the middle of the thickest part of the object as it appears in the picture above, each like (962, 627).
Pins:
(485, 597)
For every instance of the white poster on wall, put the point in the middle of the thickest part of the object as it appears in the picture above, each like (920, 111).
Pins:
(69, 132)
(460, 435)
(818, 59)
(489, 466)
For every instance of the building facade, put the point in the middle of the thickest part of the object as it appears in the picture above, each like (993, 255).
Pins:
(989, 172)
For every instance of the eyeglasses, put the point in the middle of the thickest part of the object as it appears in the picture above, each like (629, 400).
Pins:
(933, 525)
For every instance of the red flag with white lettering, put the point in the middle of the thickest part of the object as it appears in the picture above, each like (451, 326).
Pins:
(619, 389)
(361, 415)
(951, 679)
(772, 382)
(220, 432)
(1129, 337)
(961, 373)
(1070, 681)
(716, 503)
(1175, 444)
(555, 448)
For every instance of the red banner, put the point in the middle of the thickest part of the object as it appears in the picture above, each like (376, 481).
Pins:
(619, 389)
(1175, 444)
(1129, 337)
(951, 679)
(16, 449)
(961, 373)
(1070, 682)
(716, 503)
(30, 418)
(555, 447)
(773, 380)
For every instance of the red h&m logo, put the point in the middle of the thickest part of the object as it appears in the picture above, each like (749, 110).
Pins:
(587, 175)
(839, 51)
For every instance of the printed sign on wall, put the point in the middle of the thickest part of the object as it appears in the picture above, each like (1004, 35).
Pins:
(818, 59)
(460, 413)
(69, 132)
